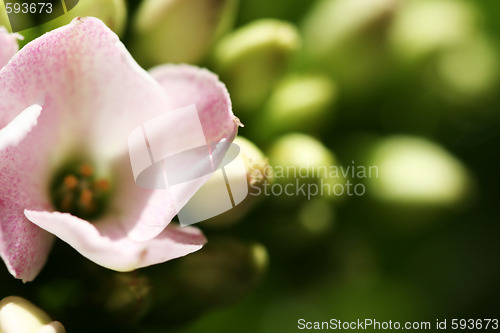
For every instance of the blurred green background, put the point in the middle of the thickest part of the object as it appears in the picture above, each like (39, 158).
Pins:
(408, 87)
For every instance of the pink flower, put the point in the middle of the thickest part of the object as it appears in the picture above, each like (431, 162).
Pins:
(68, 102)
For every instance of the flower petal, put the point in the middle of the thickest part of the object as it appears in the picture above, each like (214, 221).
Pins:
(23, 246)
(191, 85)
(132, 207)
(91, 82)
(92, 95)
(188, 85)
(8, 46)
(110, 247)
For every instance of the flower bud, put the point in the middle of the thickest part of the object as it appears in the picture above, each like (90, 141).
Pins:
(256, 162)
(18, 315)
(4, 19)
(112, 12)
(299, 159)
(253, 58)
(258, 173)
(416, 174)
(223, 272)
(299, 103)
(423, 27)
(467, 71)
(316, 216)
(179, 30)
(347, 38)
(453, 56)
(301, 225)
(127, 296)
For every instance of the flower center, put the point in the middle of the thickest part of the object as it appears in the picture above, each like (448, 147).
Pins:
(76, 189)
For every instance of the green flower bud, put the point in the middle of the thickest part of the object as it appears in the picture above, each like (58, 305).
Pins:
(253, 58)
(256, 163)
(347, 38)
(467, 70)
(299, 103)
(179, 30)
(316, 216)
(4, 19)
(423, 27)
(127, 296)
(258, 173)
(112, 12)
(300, 159)
(222, 273)
(414, 172)
(444, 51)
(19, 315)
(332, 22)
(300, 225)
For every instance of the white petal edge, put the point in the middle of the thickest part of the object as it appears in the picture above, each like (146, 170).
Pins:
(19, 127)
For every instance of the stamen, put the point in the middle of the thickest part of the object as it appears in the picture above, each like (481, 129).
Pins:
(103, 184)
(86, 198)
(86, 170)
(77, 191)
(66, 202)
(71, 182)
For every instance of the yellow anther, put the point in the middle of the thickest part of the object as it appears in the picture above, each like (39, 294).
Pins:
(70, 182)
(79, 190)
(103, 184)
(86, 170)
(86, 198)
(66, 202)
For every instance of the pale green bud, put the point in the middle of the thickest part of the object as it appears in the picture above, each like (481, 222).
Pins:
(300, 225)
(299, 158)
(347, 38)
(4, 19)
(299, 103)
(256, 162)
(18, 315)
(415, 172)
(253, 58)
(258, 173)
(467, 70)
(179, 30)
(127, 296)
(316, 216)
(454, 57)
(112, 12)
(332, 23)
(223, 272)
(426, 26)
